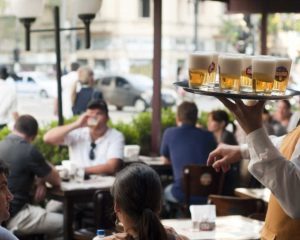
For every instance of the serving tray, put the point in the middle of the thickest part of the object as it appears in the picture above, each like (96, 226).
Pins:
(217, 93)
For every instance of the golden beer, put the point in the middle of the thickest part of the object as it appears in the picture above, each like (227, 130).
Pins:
(229, 82)
(230, 73)
(212, 72)
(263, 73)
(199, 63)
(246, 78)
(197, 77)
(283, 67)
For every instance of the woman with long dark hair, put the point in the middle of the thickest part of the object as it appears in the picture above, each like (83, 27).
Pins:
(137, 194)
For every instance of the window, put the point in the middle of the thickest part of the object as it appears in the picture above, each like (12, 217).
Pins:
(144, 8)
(121, 82)
(106, 81)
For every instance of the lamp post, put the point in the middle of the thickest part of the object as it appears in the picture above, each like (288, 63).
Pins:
(28, 10)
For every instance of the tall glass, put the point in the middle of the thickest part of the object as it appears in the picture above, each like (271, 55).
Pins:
(246, 78)
(210, 81)
(230, 67)
(263, 74)
(199, 63)
(283, 68)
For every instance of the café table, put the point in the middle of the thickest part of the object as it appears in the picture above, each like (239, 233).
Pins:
(78, 192)
(257, 193)
(154, 162)
(232, 227)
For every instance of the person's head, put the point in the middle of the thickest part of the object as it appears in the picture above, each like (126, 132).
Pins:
(187, 113)
(3, 73)
(74, 66)
(27, 126)
(217, 120)
(283, 110)
(266, 117)
(5, 194)
(98, 112)
(137, 194)
(86, 76)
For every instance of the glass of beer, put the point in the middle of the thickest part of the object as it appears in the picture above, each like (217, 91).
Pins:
(283, 67)
(246, 78)
(210, 81)
(199, 63)
(263, 74)
(230, 67)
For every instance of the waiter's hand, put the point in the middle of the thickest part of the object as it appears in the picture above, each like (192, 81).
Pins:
(223, 156)
(249, 117)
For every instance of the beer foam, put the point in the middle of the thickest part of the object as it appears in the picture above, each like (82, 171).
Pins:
(230, 64)
(246, 62)
(284, 62)
(200, 60)
(264, 65)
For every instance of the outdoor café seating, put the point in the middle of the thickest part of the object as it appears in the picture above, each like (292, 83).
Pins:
(200, 181)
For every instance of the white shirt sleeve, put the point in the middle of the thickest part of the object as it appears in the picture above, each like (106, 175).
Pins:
(275, 172)
(116, 148)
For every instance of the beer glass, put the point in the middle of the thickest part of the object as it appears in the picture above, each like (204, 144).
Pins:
(199, 63)
(210, 81)
(263, 74)
(283, 67)
(246, 78)
(230, 67)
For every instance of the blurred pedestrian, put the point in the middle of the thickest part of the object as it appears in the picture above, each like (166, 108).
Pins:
(8, 99)
(84, 92)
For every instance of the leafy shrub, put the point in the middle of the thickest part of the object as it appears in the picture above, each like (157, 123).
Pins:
(136, 132)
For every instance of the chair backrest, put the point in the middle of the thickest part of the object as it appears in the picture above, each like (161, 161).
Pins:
(201, 180)
(227, 205)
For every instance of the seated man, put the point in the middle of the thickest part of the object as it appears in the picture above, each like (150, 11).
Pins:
(92, 144)
(183, 145)
(26, 165)
(5, 199)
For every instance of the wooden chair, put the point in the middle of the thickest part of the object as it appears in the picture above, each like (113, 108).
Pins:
(99, 217)
(227, 205)
(200, 180)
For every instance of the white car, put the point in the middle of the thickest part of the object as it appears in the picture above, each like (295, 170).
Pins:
(35, 84)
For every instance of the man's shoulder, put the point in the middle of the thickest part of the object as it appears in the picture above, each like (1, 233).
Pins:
(114, 133)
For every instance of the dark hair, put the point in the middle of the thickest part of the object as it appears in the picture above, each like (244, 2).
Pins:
(187, 112)
(3, 73)
(74, 66)
(220, 116)
(137, 190)
(287, 103)
(3, 168)
(27, 125)
(98, 104)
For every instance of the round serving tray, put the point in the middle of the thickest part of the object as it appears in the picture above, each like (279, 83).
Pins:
(216, 92)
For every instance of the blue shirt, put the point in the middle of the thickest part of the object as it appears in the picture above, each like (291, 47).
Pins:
(185, 145)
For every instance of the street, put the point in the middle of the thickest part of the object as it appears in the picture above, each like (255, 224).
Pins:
(43, 108)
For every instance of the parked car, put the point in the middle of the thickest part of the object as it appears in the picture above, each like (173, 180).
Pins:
(35, 83)
(132, 90)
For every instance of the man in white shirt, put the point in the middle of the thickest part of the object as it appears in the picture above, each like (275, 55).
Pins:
(8, 100)
(278, 173)
(92, 144)
(68, 83)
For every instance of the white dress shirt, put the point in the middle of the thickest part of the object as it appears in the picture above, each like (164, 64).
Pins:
(8, 101)
(68, 84)
(275, 172)
(109, 146)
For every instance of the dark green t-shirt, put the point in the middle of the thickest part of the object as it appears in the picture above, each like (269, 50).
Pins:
(25, 162)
